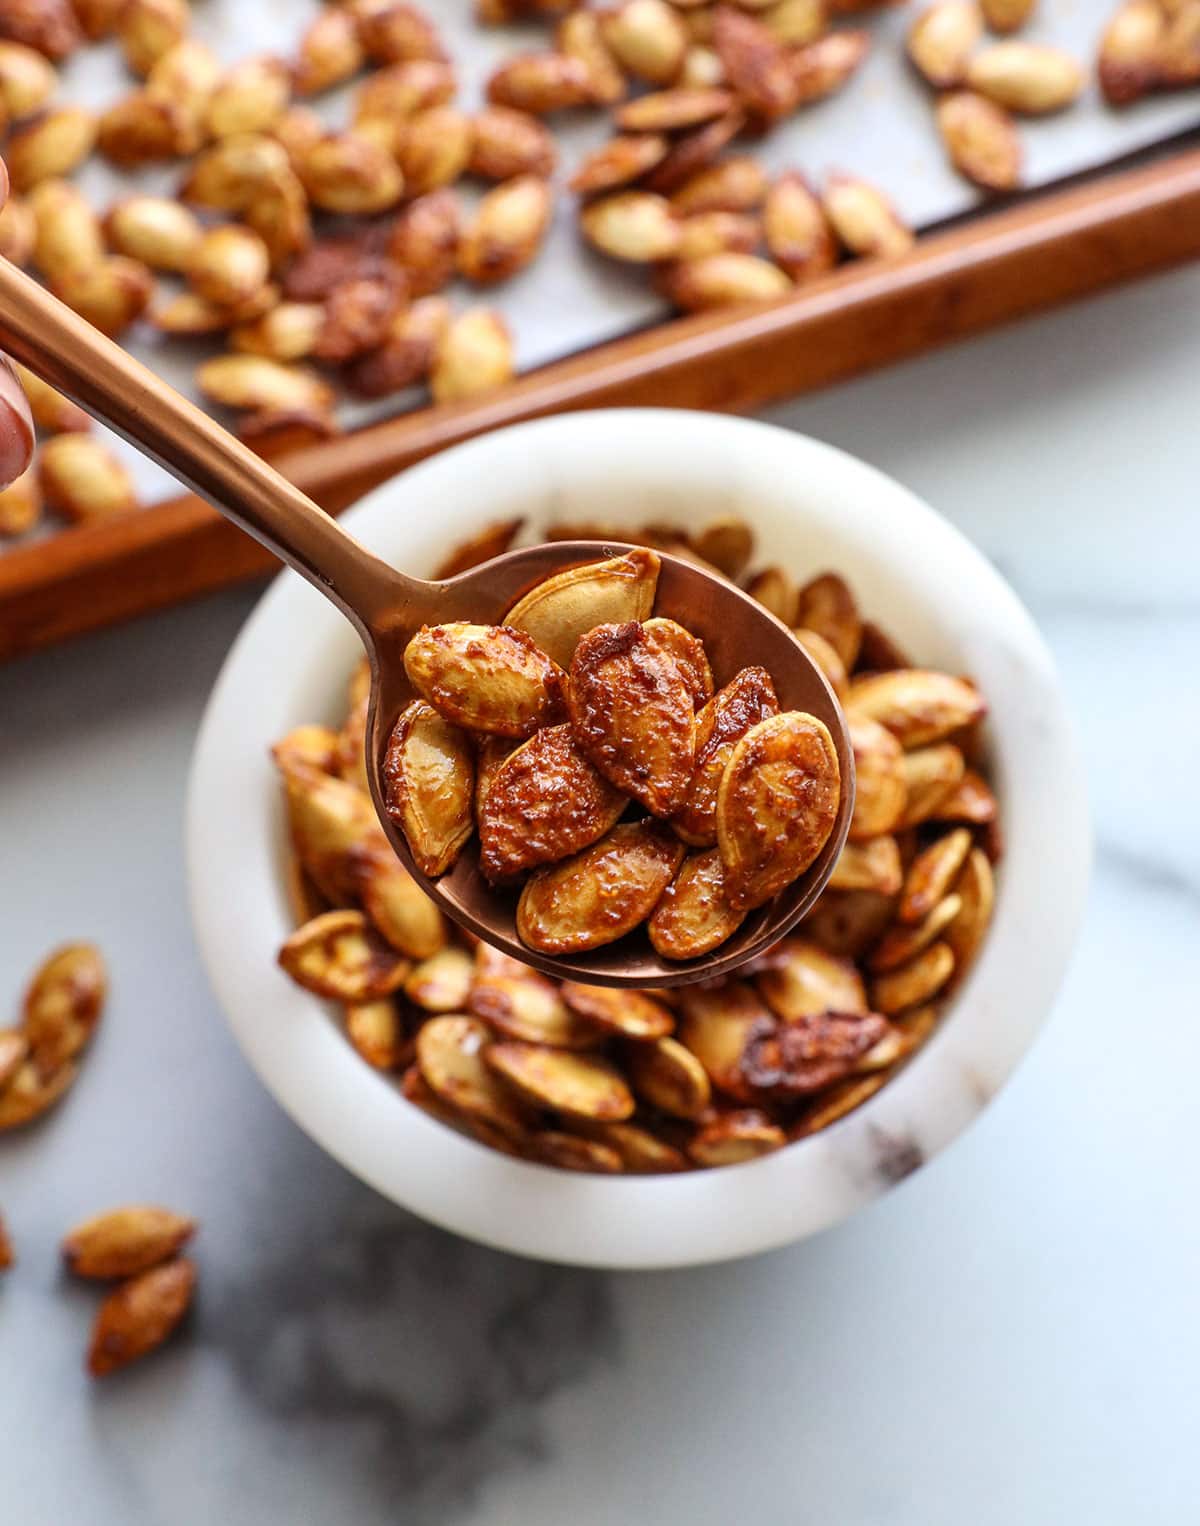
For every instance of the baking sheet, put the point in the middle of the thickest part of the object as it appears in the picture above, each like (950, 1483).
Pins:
(880, 126)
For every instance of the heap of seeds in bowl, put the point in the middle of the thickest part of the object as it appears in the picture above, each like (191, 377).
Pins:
(592, 1079)
(584, 740)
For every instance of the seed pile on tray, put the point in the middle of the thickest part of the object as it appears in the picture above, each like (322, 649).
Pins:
(592, 1079)
(322, 257)
(573, 757)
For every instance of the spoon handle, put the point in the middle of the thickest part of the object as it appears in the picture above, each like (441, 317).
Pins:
(70, 354)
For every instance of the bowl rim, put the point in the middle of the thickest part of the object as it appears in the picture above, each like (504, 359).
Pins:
(694, 1218)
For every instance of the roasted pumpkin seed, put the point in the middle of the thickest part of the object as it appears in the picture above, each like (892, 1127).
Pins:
(139, 1315)
(562, 608)
(583, 1086)
(748, 698)
(694, 916)
(631, 1014)
(340, 955)
(932, 873)
(429, 779)
(125, 1241)
(734, 1138)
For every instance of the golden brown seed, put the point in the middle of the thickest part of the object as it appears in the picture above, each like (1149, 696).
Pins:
(796, 22)
(526, 1006)
(630, 1014)
(191, 316)
(734, 1138)
(376, 1030)
(647, 38)
(406, 355)
(835, 1103)
(618, 162)
(825, 657)
(942, 39)
(932, 873)
(441, 983)
(798, 236)
(670, 110)
(49, 145)
(632, 712)
(848, 922)
(14, 1051)
(395, 32)
(49, 26)
(561, 609)
(333, 827)
(110, 295)
(473, 354)
(506, 143)
(748, 698)
(823, 67)
(400, 909)
(18, 231)
(913, 983)
(901, 943)
(185, 77)
(931, 775)
(540, 83)
(881, 787)
(288, 332)
(864, 219)
(51, 410)
(600, 894)
(716, 1024)
(148, 29)
(570, 1153)
(582, 1086)
(229, 176)
(540, 803)
(975, 888)
(67, 238)
(507, 232)
(485, 677)
(873, 866)
(776, 590)
(30, 1094)
(827, 605)
(229, 265)
(736, 184)
(330, 51)
(776, 805)
(727, 542)
(637, 1148)
(694, 916)
(981, 140)
(139, 1315)
(340, 955)
(918, 705)
(580, 37)
(429, 777)
(1007, 15)
(63, 1004)
(450, 1054)
(970, 800)
(140, 129)
(632, 225)
(1026, 77)
(125, 1241)
(251, 381)
(1130, 50)
(21, 503)
(27, 80)
(396, 93)
(686, 651)
(724, 280)
(434, 148)
(251, 97)
(156, 230)
(82, 479)
(307, 746)
(348, 173)
(669, 1077)
(424, 241)
(758, 67)
(804, 980)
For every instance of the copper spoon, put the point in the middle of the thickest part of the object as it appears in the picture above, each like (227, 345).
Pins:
(386, 607)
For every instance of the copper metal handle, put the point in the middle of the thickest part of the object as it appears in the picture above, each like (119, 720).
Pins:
(73, 356)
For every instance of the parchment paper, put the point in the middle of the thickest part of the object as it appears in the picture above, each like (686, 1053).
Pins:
(880, 126)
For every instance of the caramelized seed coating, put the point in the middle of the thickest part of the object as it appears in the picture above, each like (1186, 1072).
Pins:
(747, 699)
(776, 805)
(429, 779)
(632, 713)
(484, 677)
(694, 916)
(544, 802)
(602, 893)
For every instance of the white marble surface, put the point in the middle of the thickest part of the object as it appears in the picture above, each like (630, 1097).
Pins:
(1009, 1337)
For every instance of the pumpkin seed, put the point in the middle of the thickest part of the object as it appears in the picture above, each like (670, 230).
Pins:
(915, 982)
(917, 705)
(582, 1085)
(975, 888)
(901, 943)
(748, 698)
(125, 1241)
(931, 874)
(632, 1014)
(735, 1138)
(489, 678)
(139, 1315)
(376, 1030)
(63, 1005)
(716, 1026)
(873, 865)
(400, 909)
(441, 983)
(526, 1006)
(562, 608)
(806, 981)
(694, 916)
(669, 1077)
(429, 778)
(340, 955)
(942, 39)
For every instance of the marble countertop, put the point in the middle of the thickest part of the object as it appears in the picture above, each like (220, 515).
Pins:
(1010, 1336)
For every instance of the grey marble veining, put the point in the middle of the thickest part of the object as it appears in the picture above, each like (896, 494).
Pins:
(1008, 1336)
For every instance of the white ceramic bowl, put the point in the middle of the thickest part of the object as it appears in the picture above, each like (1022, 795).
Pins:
(812, 508)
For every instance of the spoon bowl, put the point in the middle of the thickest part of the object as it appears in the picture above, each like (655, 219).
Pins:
(387, 607)
(736, 632)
